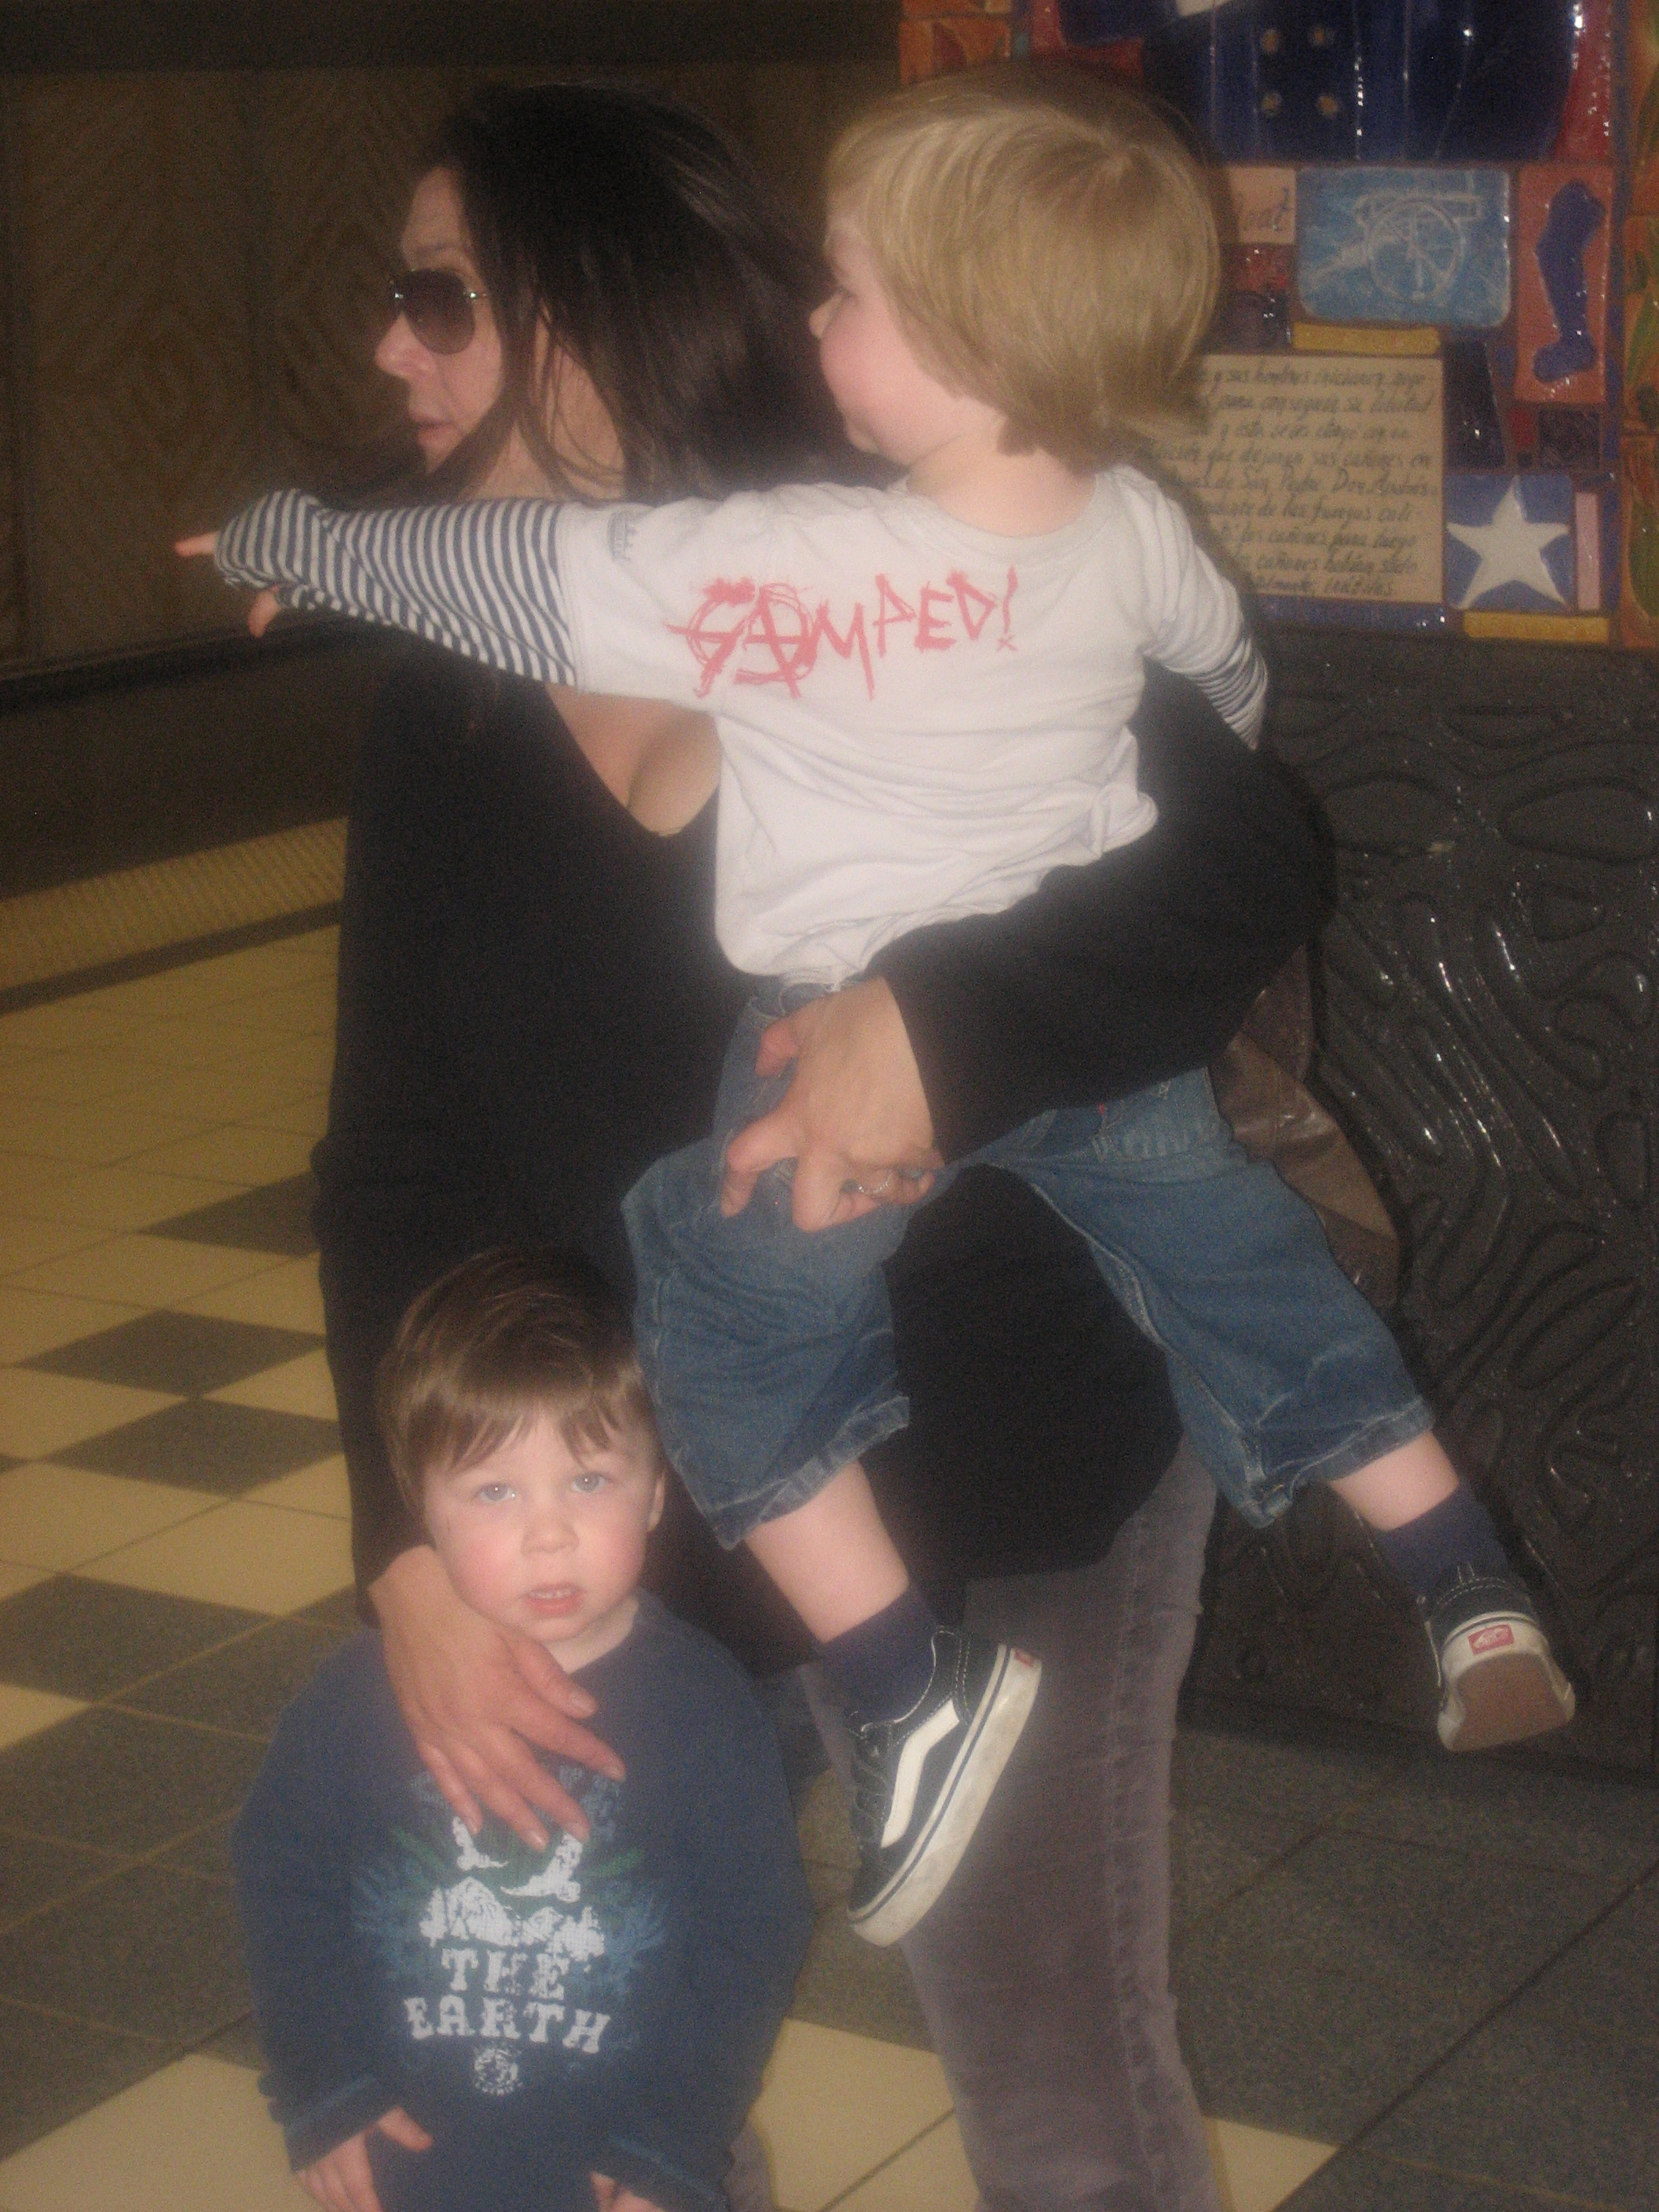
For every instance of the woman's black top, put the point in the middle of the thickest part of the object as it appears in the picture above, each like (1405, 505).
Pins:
(532, 1007)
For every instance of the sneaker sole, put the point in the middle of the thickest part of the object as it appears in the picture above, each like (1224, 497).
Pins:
(937, 1850)
(1501, 1697)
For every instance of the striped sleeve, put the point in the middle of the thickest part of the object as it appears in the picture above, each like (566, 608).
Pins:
(482, 579)
(1195, 625)
(1237, 688)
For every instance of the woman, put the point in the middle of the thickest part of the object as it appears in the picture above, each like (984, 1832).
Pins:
(599, 303)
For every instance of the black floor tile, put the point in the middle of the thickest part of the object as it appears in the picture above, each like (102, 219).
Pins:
(51, 2070)
(275, 1217)
(185, 1353)
(205, 1852)
(338, 1610)
(31, 1875)
(1242, 1803)
(81, 1639)
(1282, 1789)
(1354, 2182)
(846, 1983)
(246, 1686)
(122, 1782)
(826, 1838)
(152, 1952)
(1592, 1823)
(1608, 1980)
(1208, 1863)
(1326, 1988)
(1535, 2105)
(200, 1444)
(237, 2045)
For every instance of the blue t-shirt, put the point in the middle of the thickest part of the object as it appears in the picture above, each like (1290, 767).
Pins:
(602, 2007)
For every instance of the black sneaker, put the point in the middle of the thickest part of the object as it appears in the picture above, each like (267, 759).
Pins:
(920, 1783)
(1499, 1679)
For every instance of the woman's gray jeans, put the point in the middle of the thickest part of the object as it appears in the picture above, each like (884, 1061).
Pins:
(1044, 1969)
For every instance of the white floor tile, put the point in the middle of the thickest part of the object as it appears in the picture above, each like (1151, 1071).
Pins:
(320, 1489)
(25, 1712)
(111, 1199)
(44, 1413)
(835, 2105)
(298, 1386)
(1256, 2170)
(33, 1321)
(26, 1243)
(258, 1557)
(142, 1270)
(287, 1296)
(58, 1517)
(932, 2176)
(231, 1154)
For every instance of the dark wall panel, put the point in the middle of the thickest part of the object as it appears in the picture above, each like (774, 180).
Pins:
(1488, 1035)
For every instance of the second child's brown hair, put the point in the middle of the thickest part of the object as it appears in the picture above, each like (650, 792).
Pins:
(500, 1339)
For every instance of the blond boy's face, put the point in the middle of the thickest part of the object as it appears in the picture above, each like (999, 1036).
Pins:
(890, 403)
(549, 1544)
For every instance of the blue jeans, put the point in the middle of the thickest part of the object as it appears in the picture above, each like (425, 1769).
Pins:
(769, 1350)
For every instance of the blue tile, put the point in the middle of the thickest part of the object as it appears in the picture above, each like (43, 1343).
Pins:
(1404, 245)
(1509, 542)
(1354, 614)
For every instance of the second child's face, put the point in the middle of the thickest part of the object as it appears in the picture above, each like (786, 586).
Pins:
(889, 402)
(549, 1544)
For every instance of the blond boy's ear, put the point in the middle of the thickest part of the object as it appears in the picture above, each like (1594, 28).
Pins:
(659, 1498)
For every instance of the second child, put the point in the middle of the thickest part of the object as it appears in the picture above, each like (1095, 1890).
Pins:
(456, 2023)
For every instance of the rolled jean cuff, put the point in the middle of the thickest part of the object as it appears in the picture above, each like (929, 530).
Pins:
(1372, 1440)
(854, 1436)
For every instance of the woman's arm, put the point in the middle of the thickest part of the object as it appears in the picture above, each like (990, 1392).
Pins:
(1107, 978)
(1131, 970)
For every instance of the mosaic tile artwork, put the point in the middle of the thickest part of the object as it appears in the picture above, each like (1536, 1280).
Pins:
(1426, 245)
(1561, 307)
(1509, 543)
(1404, 185)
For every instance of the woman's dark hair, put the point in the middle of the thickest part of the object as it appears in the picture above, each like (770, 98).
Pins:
(626, 225)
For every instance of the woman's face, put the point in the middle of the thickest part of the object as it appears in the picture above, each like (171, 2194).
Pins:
(450, 393)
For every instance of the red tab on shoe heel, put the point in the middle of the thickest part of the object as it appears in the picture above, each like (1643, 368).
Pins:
(1493, 1638)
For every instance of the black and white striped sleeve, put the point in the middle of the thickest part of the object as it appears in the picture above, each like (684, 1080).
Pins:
(482, 579)
(1195, 625)
(1237, 688)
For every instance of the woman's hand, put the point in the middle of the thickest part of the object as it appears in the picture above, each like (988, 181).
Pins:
(476, 1697)
(855, 1113)
(266, 605)
(344, 2180)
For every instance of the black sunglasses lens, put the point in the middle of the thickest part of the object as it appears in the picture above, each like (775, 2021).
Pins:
(437, 308)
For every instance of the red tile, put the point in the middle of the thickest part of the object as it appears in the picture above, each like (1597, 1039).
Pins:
(1565, 215)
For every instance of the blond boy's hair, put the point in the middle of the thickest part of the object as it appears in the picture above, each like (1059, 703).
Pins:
(500, 1339)
(1048, 245)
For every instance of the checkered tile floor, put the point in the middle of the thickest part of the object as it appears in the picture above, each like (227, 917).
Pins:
(174, 1562)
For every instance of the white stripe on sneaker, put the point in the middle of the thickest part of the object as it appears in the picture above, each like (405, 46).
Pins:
(907, 1780)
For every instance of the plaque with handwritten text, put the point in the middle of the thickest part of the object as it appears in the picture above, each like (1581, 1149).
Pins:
(1319, 475)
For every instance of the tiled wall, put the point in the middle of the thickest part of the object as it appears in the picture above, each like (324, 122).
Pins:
(196, 259)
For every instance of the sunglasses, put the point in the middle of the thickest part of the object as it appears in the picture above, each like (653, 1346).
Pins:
(437, 305)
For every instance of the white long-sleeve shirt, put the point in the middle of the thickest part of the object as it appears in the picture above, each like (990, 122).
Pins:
(917, 719)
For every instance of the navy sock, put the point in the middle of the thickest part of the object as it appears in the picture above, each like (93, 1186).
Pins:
(886, 1663)
(1458, 1532)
